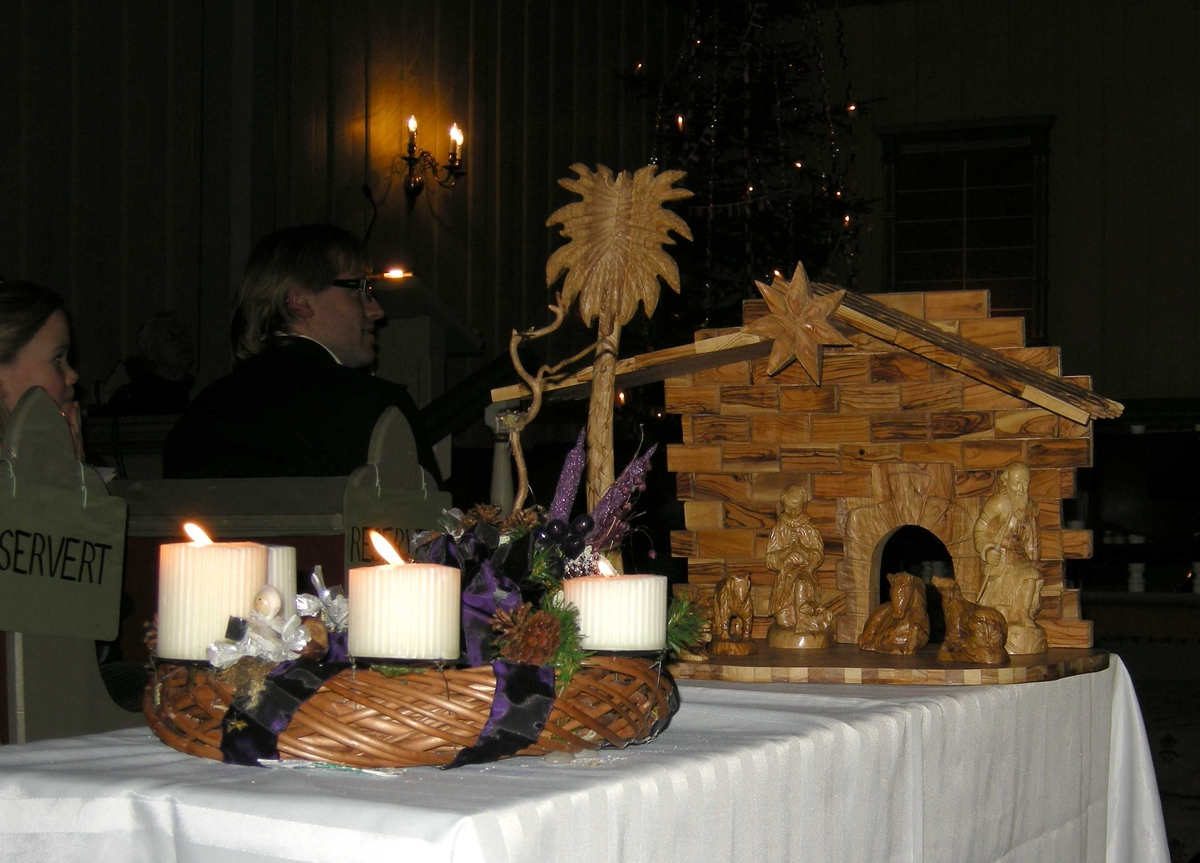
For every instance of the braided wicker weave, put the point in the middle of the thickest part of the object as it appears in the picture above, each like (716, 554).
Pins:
(364, 719)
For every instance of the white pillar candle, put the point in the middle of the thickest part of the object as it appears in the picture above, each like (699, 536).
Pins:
(281, 575)
(200, 585)
(620, 612)
(405, 611)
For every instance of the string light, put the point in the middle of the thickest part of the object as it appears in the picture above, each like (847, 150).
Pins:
(725, 88)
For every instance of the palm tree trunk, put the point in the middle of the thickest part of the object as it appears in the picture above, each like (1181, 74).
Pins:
(600, 469)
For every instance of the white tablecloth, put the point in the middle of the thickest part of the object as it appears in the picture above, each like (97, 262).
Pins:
(1046, 772)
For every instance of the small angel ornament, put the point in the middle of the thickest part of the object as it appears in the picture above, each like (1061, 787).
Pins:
(267, 634)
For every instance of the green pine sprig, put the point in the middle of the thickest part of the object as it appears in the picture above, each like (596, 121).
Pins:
(546, 561)
(569, 657)
(684, 625)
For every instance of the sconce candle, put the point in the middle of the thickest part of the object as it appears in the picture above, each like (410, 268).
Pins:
(456, 142)
(404, 610)
(420, 162)
(619, 612)
(200, 585)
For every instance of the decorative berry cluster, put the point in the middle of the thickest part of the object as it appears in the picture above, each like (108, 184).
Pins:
(571, 539)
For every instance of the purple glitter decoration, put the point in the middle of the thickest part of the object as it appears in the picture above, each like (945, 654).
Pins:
(613, 509)
(568, 482)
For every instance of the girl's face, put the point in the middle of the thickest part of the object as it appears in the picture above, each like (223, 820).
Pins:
(42, 362)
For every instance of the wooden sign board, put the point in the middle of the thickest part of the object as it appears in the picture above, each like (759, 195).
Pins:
(62, 555)
(390, 494)
(60, 561)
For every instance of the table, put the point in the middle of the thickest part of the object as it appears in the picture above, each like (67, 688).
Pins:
(1054, 771)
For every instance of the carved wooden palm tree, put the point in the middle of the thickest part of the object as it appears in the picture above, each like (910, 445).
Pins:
(614, 260)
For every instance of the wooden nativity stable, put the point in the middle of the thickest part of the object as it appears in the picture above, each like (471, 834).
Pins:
(911, 424)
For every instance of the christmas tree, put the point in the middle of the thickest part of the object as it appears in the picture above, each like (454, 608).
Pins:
(757, 109)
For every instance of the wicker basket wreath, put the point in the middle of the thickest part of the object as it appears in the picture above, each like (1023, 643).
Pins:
(361, 718)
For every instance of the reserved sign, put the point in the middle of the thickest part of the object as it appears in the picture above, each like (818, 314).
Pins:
(60, 561)
(360, 551)
(70, 558)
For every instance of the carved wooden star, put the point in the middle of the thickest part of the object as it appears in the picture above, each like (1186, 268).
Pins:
(798, 323)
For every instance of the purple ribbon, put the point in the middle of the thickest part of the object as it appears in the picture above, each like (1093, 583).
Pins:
(522, 704)
(251, 731)
(486, 593)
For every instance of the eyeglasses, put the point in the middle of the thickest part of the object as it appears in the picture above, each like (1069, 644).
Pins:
(363, 286)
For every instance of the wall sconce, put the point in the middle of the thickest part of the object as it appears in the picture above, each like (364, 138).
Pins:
(420, 161)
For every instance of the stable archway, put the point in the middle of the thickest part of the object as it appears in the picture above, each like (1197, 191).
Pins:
(902, 494)
(915, 550)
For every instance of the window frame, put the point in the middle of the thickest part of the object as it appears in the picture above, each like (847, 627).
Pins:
(1009, 135)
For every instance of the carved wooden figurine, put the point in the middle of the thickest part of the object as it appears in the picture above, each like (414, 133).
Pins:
(900, 626)
(794, 552)
(1006, 539)
(974, 633)
(733, 612)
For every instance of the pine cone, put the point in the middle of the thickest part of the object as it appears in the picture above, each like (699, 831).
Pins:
(523, 519)
(527, 636)
(484, 512)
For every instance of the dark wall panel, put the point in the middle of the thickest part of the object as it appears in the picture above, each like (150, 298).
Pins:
(1122, 83)
(130, 185)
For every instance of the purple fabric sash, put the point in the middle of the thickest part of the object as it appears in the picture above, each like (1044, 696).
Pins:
(522, 704)
(250, 732)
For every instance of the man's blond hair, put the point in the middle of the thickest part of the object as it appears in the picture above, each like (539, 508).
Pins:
(302, 256)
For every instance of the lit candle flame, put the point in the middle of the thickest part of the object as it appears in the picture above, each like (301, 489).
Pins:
(197, 534)
(412, 123)
(385, 549)
(456, 134)
(605, 568)
(679, 122)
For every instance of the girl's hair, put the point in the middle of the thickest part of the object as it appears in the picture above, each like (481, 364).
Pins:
(304, 256)
(24, 309)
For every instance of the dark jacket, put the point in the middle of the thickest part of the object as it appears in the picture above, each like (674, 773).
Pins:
(291, 410)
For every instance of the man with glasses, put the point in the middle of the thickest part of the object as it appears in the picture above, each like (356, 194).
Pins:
(301, 400)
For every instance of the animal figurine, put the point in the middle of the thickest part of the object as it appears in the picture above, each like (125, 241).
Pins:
(733, 613)
(974, 633)
(901, 626)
